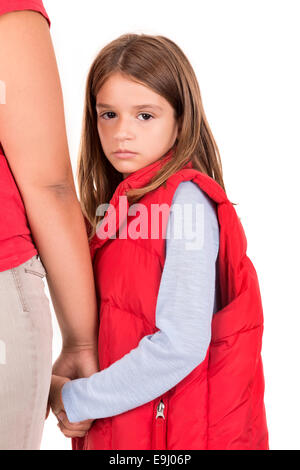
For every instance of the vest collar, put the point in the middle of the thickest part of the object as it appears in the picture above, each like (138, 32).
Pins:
(137, 179)
(142, 176)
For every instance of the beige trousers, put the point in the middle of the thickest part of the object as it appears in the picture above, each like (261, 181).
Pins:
(25, 355)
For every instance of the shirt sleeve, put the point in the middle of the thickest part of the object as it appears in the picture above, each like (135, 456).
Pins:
(185, 304)
(7, 6)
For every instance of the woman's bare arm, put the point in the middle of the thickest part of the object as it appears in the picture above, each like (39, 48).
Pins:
(33, 135)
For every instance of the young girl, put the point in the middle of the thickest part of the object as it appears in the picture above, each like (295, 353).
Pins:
(180, 313)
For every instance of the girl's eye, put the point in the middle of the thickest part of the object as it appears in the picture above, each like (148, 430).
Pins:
(146, 114)
(108, 112)
(141, 114)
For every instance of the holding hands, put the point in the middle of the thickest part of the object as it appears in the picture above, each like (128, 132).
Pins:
(73, 362)
(56, 403)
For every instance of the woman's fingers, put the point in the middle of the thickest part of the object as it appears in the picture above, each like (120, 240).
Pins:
(69, 433)
(81, 426)
(69, 429)
(72, 429)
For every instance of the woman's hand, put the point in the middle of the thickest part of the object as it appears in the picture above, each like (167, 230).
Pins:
(75, 362)
(56, 403)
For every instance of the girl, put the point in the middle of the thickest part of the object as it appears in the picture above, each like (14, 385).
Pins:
(180, 321)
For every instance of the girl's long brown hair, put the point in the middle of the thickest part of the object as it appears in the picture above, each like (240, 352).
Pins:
(158, 63)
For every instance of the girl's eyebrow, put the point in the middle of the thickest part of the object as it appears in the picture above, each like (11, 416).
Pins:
(139, 106)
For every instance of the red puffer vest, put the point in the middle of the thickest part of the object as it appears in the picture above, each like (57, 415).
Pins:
(220, 404)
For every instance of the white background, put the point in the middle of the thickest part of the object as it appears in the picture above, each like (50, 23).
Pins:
(246, 57)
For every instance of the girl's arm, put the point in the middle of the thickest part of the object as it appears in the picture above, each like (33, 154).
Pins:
(185, 304)
(33, 135)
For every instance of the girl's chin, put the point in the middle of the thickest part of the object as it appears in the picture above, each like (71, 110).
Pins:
(126, 167)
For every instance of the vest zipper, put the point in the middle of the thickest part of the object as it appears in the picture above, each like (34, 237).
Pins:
(160, 410)
(160, 426)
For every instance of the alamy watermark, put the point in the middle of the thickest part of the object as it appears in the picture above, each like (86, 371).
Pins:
(188, 222)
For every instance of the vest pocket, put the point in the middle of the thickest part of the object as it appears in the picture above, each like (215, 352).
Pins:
(160, 424)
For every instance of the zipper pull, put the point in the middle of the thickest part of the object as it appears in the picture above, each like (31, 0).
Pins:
(160, 410)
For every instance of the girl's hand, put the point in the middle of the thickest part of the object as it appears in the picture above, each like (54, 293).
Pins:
(56, 403)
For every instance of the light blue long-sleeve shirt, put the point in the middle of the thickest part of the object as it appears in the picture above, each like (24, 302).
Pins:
(186, 301)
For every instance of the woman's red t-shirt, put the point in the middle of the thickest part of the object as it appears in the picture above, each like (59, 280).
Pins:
(16, 243)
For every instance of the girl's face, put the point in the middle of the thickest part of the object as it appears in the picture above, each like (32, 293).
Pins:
(133, 117)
